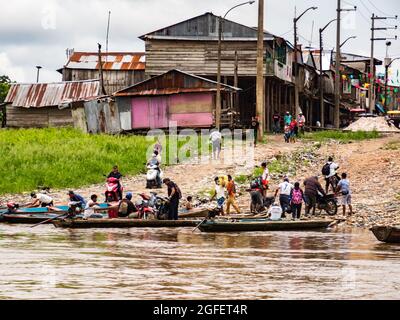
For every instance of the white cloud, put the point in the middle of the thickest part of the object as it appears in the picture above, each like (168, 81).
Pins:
(38, 32)
(6, 68)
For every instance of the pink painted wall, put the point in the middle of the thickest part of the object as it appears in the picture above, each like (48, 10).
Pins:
(158, 115)
(152, 112)
(140, 113)
(193, 119)
(191, 97)
(149, 112)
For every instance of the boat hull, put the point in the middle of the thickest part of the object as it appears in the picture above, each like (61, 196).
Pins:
(387, 234)
(26, 219)
(216, 226)
(195, 213)
(123, 223)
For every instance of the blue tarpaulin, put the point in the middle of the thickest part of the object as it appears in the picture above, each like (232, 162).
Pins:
(379, 108)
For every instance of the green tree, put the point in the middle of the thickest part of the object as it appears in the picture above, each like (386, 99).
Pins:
(5, 84)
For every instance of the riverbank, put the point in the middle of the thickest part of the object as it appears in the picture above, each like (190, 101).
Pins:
(373, 167)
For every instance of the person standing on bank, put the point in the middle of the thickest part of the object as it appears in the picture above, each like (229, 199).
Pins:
(276, 118)
(285, 190)
(231, 189)
(287, 119)
(174, 195)
(216, 140)
(296, 201)
(311, 190)
(255, 126)
(344, 191)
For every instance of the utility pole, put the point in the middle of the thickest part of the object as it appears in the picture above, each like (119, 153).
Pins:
(321, 76)
(372, 71)
(38, 73)
(220, 25)
(260, 109)
(102, 88)
(108, 32)
(236, 81)
(296, 68)
(338, 59)
(337, 69)
(218, 99)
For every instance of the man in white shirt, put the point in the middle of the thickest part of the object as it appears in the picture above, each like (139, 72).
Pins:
(264, 179)
(285, 190)
(331, 179)
(219, 194)
(40, 200)
(216, 140)
(91, 206)
(275, 212)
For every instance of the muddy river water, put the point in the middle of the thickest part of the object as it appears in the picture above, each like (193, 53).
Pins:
(48, 263)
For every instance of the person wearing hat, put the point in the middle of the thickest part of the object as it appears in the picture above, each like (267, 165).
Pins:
(40, 200)
(73, 197)
(301, 122)
(126, 206)
(288, 118)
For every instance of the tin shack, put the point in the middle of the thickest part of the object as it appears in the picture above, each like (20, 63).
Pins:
(43, 105)
(184, 98)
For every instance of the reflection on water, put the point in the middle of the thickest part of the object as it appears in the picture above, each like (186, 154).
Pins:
(48, 263)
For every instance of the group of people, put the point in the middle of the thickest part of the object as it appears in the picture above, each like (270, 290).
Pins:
(293, 126)
(225, 192)
(292, 196)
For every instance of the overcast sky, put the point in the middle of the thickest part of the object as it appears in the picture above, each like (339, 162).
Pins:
(39, 32)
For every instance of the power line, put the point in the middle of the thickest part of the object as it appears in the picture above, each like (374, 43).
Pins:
(372, 4)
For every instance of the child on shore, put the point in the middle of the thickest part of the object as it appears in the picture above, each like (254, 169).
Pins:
(297, 198)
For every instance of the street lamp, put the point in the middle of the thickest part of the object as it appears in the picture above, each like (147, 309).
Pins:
(220, 26)
(321, 85)
(38, 72)
(344, 42)
(296, 93)
(387, 65)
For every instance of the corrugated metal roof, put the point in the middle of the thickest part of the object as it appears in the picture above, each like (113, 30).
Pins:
(111, 61)
(205, 28)
(51, 94)
(173, 82)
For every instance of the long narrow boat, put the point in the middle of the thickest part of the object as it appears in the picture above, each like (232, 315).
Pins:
(59, 209)
(388, 234)
(194, 213)
(26, 219)
(263, 225)
(123, 223)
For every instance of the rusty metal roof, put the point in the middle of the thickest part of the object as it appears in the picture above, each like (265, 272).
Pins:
(111, 61)
(173, 82)
(40, 95)
(205, 28)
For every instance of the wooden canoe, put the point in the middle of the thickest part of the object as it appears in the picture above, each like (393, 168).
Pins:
(123, 223)
(263, 225)
(26, 219)
(388, 234)
(195, 213)
(59, 209)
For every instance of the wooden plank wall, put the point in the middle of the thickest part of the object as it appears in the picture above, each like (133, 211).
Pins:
(114, 80)
(38, 117)
(201, 57)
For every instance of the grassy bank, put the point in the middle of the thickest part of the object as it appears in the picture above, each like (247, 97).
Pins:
(65, 158)
(341, 136)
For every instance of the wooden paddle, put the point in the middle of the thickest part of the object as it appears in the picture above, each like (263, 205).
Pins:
(199, 224)
(46, 221)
